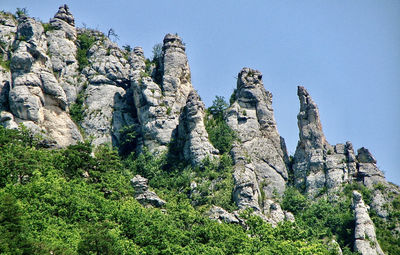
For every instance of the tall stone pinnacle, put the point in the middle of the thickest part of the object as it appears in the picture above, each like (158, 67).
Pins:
(259, 154)
(317, 164)
(160, 99)
(309, 123)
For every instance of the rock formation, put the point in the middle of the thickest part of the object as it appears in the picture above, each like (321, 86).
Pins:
(221, 215)
(108, 96)
(192, 134)
(8, 30)
(159, 105)
(35, 97)
(259, 155)
(143, 194)
(368, 173)
(62, 34)
(364, 233)
(317, 164)
(42, 76)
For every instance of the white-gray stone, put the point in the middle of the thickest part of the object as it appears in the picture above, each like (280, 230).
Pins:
(143, 194)
(364, 233)
(259, 155)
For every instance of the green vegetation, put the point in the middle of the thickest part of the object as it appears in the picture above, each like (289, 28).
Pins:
(128, 140)
(386, 232)
(21, 12)
(220, 134)
(77, 109)
(47, 27)
(127, 51)
(3, 54)
(157, 52)
(85, 42)
(323, 218)
(5, 63)
(67, 201)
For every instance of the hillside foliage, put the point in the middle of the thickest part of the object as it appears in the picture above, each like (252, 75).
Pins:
(78, 200)
(66, 201)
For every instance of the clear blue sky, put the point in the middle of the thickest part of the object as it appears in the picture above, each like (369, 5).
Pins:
(346, 53)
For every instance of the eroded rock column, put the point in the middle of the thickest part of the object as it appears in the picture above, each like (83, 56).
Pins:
(259, 155)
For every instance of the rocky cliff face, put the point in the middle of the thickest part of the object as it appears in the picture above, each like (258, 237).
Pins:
(108, 97)
(259, 155)
(35, 96)
(118, 90)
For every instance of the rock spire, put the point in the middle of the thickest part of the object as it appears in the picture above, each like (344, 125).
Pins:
(192, 134)
(318, 165)
(259, 155)
(159, 105)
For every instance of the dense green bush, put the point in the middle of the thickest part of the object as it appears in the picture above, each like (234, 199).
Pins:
(84, 42)
(77, 109)
(323, 218)
(219, 133)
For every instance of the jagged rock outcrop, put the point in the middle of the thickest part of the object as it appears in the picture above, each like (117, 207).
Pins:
(259, 155)
(221, 215)
(108, 97)
(35, 98)
(8, 29)
(143, 194)
(318, 165)
(368, 173)
(192, 134)
(364, 233)
(159, 105)
(61, 37)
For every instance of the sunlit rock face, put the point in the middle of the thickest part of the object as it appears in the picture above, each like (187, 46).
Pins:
(192, 134)
(259, 154)
(318, 165)
(35, 96)
(159, 105)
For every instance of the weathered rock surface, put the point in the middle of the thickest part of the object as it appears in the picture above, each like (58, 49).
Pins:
(143, 194)
(108, 96)
(8, 29)
(5, 82)
(317, 164)
(221, 215)
(260, 155)
(192, 134)
(35, 98)
(364, 233)
(159, 105)
(368, 173)
(61, 38)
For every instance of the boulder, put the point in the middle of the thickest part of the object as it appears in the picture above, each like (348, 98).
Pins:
(143, 194)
